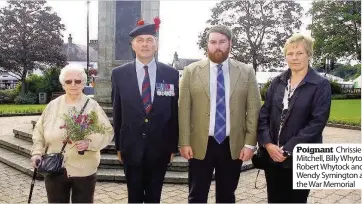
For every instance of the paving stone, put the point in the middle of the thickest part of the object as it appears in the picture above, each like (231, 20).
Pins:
(14, 185)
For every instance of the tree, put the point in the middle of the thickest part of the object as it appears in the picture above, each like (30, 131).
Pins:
(336, 28)
(260, 29)
(347, 72)
(30, 38)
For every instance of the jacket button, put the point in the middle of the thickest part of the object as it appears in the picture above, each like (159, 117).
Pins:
(208, 114)
(207, 129)
(143, 135)
(146, 120)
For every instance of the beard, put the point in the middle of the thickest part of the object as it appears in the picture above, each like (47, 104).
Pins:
(218, 56)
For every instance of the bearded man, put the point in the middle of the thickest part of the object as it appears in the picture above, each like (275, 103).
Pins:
(219, 103)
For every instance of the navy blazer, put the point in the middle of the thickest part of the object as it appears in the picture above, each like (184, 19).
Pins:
(136, 133)
(307, 116)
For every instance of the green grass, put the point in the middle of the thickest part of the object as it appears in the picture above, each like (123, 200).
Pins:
(346, 112)
(12, 108)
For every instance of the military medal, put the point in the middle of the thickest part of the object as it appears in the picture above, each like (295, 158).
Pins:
(158, 89)
(172, 89)
(162, 89)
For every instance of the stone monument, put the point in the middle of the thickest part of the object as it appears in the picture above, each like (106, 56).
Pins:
(115, 20)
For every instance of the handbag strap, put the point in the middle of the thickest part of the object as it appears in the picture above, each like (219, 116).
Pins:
(256, 179)
(80, 113)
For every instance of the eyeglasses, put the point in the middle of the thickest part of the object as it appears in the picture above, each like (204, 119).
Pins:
(76, 81)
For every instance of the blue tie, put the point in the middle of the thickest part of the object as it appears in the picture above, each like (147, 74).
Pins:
(220, 115)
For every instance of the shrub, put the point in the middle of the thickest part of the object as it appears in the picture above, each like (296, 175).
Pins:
(28, 98)
(47, 83)
(52, 84)
(335, 87)
(8, 95)
(345, 96)
(264, 90)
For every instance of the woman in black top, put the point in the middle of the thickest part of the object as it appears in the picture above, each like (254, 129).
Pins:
(296, 110)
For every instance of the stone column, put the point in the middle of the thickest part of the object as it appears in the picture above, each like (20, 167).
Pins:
(115, 20)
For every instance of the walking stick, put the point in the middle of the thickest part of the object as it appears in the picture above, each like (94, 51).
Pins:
(32, 185)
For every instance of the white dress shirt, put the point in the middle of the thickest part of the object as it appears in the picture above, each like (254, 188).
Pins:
(152, 68)
(213, 93)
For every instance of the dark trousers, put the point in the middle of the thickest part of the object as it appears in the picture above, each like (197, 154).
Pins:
(280, 186)
(59, 186)
(145, 181)
(227, 173)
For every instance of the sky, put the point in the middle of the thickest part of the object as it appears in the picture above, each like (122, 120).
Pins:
(181, 23)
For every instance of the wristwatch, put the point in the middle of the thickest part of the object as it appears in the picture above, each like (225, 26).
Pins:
(287, 154)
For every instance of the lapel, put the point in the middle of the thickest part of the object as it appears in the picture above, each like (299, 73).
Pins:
(133, 87)
(234, 72)
(204, 75)
(160, 78)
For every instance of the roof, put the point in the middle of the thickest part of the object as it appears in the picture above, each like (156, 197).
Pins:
(75, 52)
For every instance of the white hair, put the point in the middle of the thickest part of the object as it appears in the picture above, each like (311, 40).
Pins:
(72, 68)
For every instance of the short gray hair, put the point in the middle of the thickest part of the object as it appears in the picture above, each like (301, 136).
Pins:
(72, 68)
(222, 30)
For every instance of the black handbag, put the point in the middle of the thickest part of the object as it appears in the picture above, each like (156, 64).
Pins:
(260, 159)
(53, 163)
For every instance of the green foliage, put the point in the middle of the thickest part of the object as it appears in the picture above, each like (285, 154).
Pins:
(358, 71)
(7, 96)
(51, 80)
(336, 28)
(265, 89)
(28, 98)
(47, 83)
(345, 71)
(30, 38)
(335, 87)
(78, 127)
(260, 29)
(345, 96)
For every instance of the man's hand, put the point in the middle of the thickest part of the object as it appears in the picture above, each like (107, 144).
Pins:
(82, 145)
(186, 152)
(275, 152)
(171, 158)
(245, 154)
(119, 156)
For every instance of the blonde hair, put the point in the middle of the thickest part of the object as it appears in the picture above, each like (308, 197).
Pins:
(300, 38)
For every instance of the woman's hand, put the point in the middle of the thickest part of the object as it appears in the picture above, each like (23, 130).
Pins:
(35, 161)
(82, 145)
(275, 152)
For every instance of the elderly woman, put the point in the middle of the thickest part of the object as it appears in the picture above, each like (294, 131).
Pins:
(295, 111)
(80, 170)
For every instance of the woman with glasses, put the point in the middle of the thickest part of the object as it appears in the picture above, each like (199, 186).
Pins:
(296, 110)
(79, 177)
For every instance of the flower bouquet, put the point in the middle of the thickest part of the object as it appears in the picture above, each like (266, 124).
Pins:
(80, 126)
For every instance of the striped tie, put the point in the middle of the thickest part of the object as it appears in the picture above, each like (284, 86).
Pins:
(146, 92)
(220, 116)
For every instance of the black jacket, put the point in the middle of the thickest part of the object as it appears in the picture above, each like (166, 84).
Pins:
(307, 116)
(137, 134)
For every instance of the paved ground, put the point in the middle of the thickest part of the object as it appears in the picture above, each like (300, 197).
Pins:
(14, 185)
